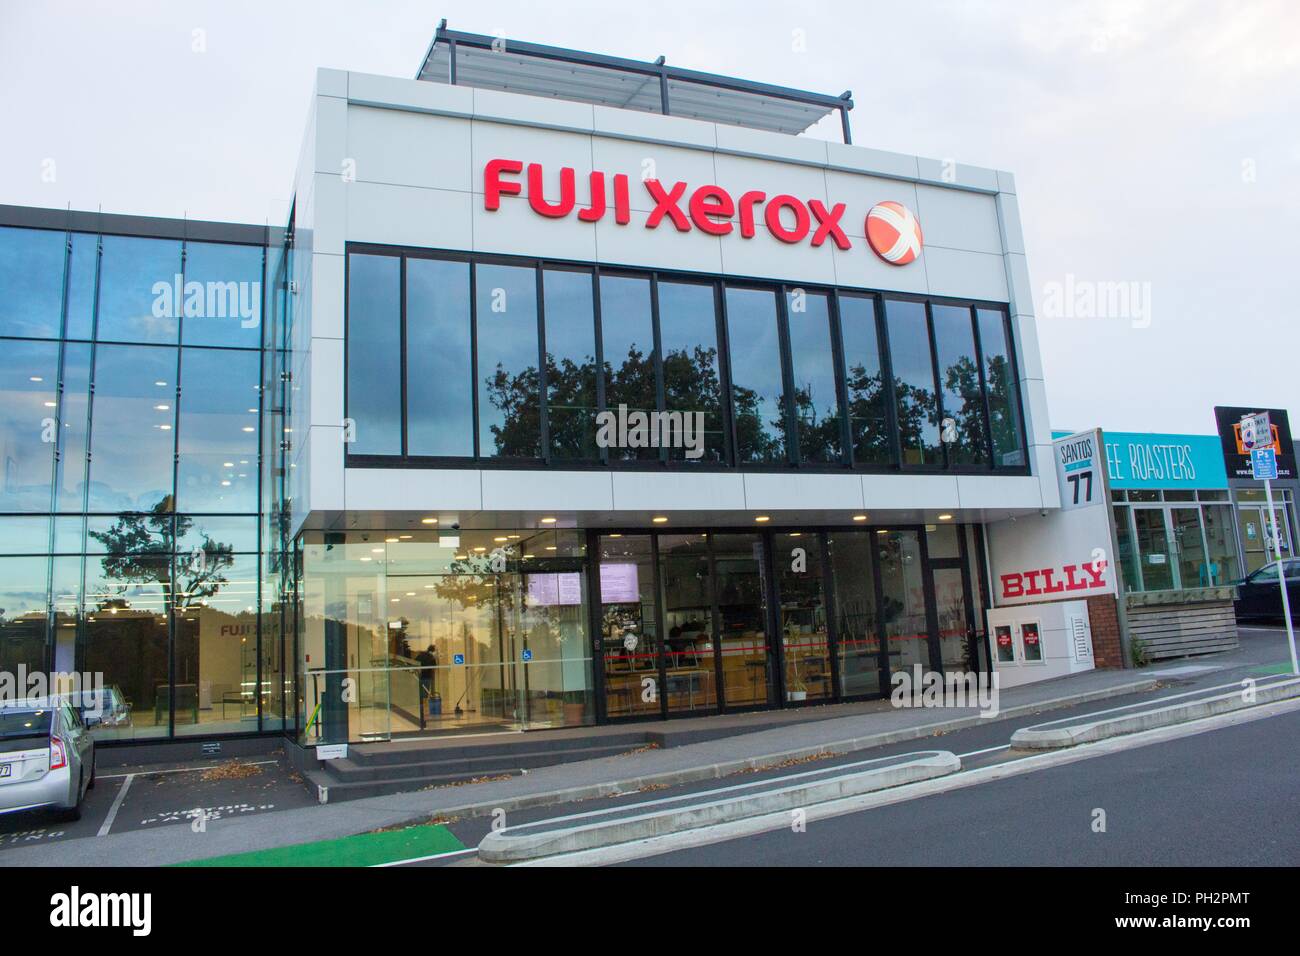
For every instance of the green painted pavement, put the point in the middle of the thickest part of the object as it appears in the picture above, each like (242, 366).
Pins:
(363, 849)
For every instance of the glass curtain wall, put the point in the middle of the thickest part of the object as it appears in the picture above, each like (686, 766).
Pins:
(129, 419)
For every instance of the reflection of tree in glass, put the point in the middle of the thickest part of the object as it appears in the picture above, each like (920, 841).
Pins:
(571, 407)
(962, 379)
(917, 411)
(819, 437)
(139, 550)
(867, 415)
(756, 440)
(691, 384)
(515, 397)
(1002, 419)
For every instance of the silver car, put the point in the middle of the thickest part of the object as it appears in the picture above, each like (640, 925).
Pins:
(47, 757)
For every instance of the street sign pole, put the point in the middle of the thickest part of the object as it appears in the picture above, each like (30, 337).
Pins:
(1281, 575)
(1257, 438)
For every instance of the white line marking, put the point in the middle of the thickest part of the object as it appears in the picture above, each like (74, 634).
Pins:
(421, 859)
(150, 773)
(986, 750)
(117, 805)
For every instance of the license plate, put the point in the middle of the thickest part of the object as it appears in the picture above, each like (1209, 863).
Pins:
(6, 769)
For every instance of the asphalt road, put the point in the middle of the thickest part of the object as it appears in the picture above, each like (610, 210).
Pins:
(1227, 797)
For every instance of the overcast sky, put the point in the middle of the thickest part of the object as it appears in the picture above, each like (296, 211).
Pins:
(1152, 143)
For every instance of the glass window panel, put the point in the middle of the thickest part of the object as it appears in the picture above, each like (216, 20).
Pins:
(439, 359)
(1129, 569)
(506, 316)
(798, 561)
(1003, 390)
(31, 282)
(69, 534)
(81, 286)
(148, 532)
(909, 353)
(132, 443)
(903, 595)
(956, 645)
(757, 388)
(979, 644)
(22, 613)
(139, 299)
(217, 470)
(570, 319)
(1153, 549)
(24, 535)
(65, 601)
(126, 604)
(629, 635)
(742, 617)
(627, 339)
(868, 409)
(232, 533)
(74, 429)
(812, 359)
(687, 600)
(216, 644)
(374, 351)
(28, 392)
(688, 333)
(1193, 568)
(1220, 535)
(223, 295)
(941, 541)
(857, 624)
(959, 373)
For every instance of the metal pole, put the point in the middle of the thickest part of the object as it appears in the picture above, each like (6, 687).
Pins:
(1281, 575)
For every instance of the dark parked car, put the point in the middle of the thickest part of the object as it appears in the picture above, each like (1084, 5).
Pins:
(1260, 599)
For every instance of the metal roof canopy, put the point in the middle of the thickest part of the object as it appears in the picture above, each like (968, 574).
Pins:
(494, 63)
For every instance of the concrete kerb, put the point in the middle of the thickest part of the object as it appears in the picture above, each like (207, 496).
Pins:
(712, 771)
(509, 846)
(1056, 738)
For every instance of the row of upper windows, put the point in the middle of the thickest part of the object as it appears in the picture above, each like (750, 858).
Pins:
(131, 289)
(445, 360)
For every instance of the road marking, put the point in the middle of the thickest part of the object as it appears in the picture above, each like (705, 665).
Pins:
(754, 826)
(117, 805)
(422, 859)
(986, 750)
(150, 773)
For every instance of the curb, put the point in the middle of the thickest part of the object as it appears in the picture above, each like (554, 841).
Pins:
(507, 846)
(613, 788)
(1031, 738)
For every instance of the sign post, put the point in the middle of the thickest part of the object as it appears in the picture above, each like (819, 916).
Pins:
(1257, 438)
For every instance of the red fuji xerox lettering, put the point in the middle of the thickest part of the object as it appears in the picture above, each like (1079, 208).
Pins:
(709, 208)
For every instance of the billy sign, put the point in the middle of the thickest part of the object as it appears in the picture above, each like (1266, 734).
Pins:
(892, 230)
(1045, 583)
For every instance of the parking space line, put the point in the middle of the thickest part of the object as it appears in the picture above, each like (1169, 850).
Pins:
(986, 750)
(423, 859)
(117, 805)
(150, 773)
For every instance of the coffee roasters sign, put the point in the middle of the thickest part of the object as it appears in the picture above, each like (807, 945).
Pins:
(892, 230)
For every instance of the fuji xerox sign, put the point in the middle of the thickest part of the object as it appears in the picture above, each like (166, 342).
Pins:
(892, 230)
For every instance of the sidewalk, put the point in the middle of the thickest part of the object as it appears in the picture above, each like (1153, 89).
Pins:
(863, 729)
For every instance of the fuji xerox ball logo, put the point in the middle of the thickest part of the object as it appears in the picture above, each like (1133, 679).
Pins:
(893, 233)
